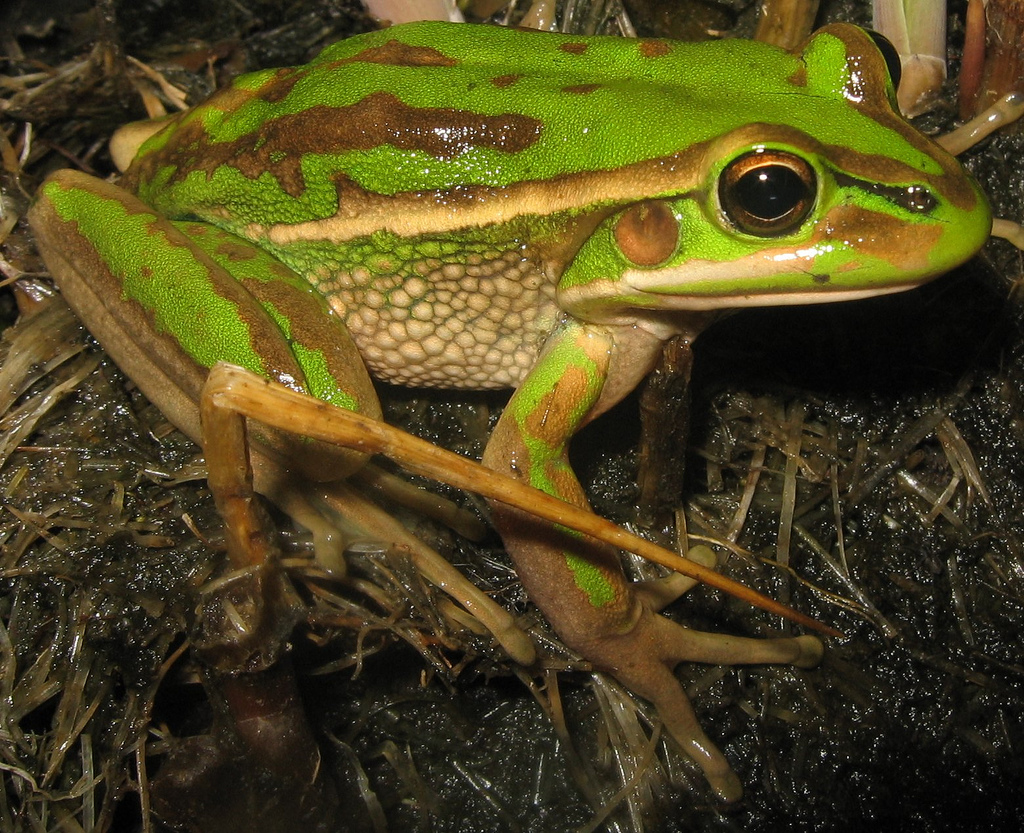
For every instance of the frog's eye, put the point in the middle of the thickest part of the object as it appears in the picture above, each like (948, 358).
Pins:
(767, 193)
(891, 56)
(647, 233)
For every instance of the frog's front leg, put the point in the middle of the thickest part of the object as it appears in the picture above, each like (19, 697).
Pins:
(579, 584)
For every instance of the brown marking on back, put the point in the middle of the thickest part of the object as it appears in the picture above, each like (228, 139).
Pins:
(653, 48)
(505, 80)
(379, 119)
(274, 90)
(396, 53)
(574, 48)
(279, 85)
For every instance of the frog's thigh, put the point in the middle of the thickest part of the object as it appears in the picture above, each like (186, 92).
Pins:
(317, 338)
(74, 217)
(169, 300)
(325, 359)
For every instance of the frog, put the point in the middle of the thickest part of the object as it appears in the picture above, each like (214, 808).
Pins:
(472, 208)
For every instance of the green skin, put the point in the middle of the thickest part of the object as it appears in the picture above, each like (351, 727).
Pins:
(418, 203)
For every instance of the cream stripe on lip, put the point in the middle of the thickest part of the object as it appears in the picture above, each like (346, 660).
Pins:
(700, 285)
(782, 297)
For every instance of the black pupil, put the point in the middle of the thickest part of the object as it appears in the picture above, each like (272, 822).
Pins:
(770, 192)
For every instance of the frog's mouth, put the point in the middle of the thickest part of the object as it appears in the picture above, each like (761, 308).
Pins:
(759, 281)
(655, 297)
(765, 297)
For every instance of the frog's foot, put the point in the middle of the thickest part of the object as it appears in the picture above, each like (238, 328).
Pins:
(353, 517)
(659, 593)
(644, 659)
(421, 501)
(363, 519)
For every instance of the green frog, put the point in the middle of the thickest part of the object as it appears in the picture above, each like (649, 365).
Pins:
(471, 207)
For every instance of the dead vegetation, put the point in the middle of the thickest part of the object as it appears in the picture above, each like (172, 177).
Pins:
(865, 465)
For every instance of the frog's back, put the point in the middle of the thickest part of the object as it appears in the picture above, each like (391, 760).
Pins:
(441, 108)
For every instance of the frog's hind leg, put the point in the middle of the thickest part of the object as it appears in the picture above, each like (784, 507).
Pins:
(230, 395)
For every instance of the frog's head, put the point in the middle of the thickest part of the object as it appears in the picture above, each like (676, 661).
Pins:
(825, 194)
